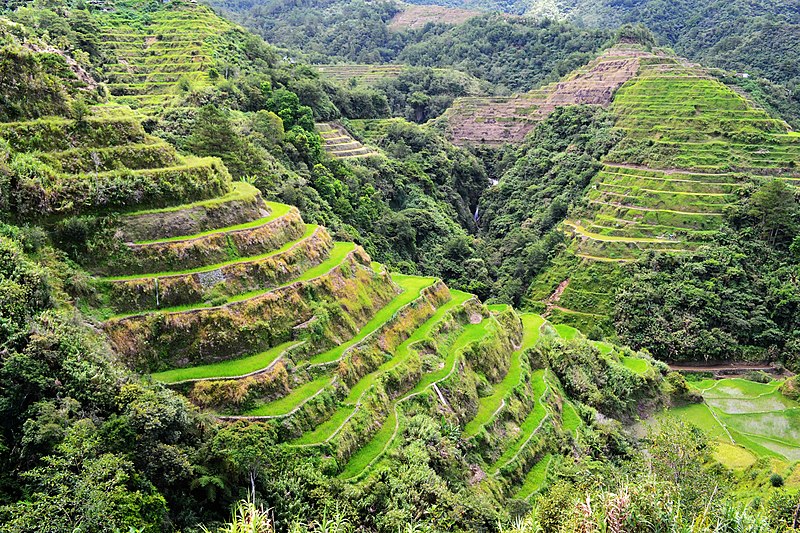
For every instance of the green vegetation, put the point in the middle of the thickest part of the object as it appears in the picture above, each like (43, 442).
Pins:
(310, 230)
(287, 370)
(489, 405)
(404, 350)
(536, 478)
(225, 369)
(291, 401)
(367, 454)
(327, 430)
(276, 211)
(412, 288)
(530, 425)
(751, 420)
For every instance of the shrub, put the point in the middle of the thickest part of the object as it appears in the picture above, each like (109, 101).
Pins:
(776, 480)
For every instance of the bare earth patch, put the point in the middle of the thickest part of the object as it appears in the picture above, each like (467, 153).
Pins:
(497, 120)
(415, 16)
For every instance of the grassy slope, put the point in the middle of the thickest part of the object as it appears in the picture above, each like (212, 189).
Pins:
(338, 254)
(276, 211)
(490, 404)
(412, 288)
(529, 425)
(225, 369)
(382, 440)
(310, 229)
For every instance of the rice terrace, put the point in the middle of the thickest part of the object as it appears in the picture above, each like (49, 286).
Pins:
(346, 266)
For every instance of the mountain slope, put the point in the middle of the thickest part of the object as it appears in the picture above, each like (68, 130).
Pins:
(691, 146)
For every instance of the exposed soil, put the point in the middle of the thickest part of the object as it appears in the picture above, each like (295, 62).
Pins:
(496, 120)
(415, 16)
(555, 297)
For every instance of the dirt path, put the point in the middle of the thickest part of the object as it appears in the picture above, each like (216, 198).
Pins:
(555, 297)
(726, 369)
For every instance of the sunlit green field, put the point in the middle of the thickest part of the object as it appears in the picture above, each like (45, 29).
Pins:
(747, 420)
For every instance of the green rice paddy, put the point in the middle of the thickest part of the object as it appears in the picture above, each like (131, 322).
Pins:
(412, 289)
(528, 426)
(225, 369)
(383, 438)
(747, 419)
(294, 399)
(535, 479)
(489, 405)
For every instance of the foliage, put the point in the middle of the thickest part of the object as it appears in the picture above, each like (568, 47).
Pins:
(598, 381)
(550, 174)
(515, 53)
(734, 298)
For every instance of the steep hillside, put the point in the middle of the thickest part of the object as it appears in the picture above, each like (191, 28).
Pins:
(268, 324)
(281, 324)
(157, 56)
(690, 144)
(181, 336)
(496, 120)
(412, 16)
(720, 34)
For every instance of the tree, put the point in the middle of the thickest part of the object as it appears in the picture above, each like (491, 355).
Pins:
(678, 450)
(213, 133)
(246, 448)
(775, 209)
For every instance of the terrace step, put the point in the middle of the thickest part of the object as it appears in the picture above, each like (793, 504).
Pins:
(211, 247)
(230, 369)
(413, 291)
(252, 322)
(242, 204)
(489, 406)
(195, 179)
(529, 427)
(583, 232)
(369, 454)
(152, 154)
(339, 144)
(135, 294)
(58, 134)
(352, 402)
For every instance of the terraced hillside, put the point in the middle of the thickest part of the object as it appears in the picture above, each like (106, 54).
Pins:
(182, 41)
(363, 73)
(497, 120)
(414, 16)
(340, 144)
(372, 74)
(700, 141)
(103, 162)
(255, 315)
